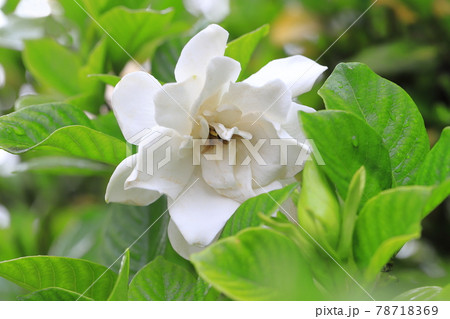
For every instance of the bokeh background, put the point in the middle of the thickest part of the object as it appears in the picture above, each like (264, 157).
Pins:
(47, 208)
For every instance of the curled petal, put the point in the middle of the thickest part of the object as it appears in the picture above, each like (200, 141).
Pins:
(232, 181)
(132, 103)
(220, 72)
(179, 244)
(174, 102)
(297, 72)
(116, 192)
(271, 99)
(161, 164)
(202, 48)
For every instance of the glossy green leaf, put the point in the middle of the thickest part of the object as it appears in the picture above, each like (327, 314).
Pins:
(83, 142)
(135, 32)
(120, 290)
(22, 130)
(243, 47)
(54, 294)
(386, 223)
(161, 280)
(127, 224)
(345, 142)
(53, 65)
(318, 207)
(257, 264)
(436, 168)
(420, 294)
(77, 275)
(387, 108)
(247, 214)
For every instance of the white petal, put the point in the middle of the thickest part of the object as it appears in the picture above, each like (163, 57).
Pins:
(116, 193)
(207, 44)
(160, 165)
(262, 132)
(132, 103)
(179, 244)
(200, 213)
(220, 72)
(229, 180)
(173, 104)
(212, 10)
(272, 99)
(297, 72)
(292, 124)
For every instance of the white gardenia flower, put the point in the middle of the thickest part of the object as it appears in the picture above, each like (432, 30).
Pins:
(207, 103)
(211, 10)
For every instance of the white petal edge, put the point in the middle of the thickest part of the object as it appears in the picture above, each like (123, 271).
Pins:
(170, 168)
(132, 103)
(272, 99)
(179, 244)
(298, 72)
(200, 213)
(195, 56)
(116, 193)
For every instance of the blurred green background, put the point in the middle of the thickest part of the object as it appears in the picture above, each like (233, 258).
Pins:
(49, 209)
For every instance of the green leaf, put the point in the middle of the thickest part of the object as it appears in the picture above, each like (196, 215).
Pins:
(247, 214)
(387, 108)
(135, 30)
(318, 208)
(53, 65)
(54, 294)
(126, 224)
(205, 292)
(107, 124)
(120, 290)
(166, 57)
(33, 99)
(77, 275)
(83, 142)
(350, 213)
(10, 6)
(64, 166)
(346, 143)
(386, 223)
(390, 58)
(433, 170)
(444, 294)
(257, 264)
(162, 281)
(243, 47)
(22, 130)
(420, 294)
(106, 78)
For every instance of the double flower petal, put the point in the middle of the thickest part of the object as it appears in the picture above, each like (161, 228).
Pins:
(206, 102)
